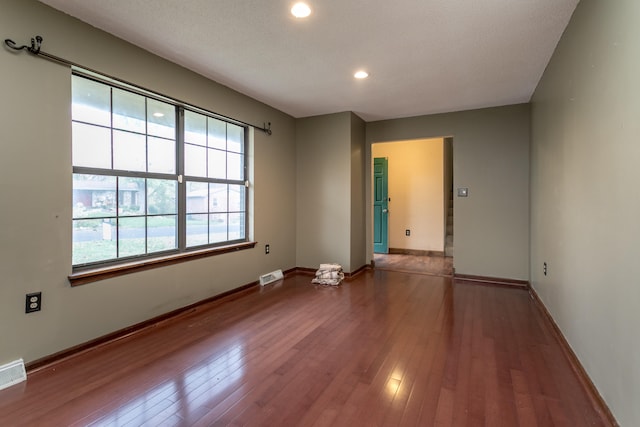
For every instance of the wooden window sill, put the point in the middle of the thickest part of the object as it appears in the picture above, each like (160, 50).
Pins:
(94, 275)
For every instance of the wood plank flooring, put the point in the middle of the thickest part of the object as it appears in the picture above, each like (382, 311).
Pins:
(384, 349)
(433, 265)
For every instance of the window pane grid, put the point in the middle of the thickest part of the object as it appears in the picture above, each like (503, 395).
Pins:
(126, 187)
(215, 149)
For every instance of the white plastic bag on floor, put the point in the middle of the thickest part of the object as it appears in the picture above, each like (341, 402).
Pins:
(329, 274)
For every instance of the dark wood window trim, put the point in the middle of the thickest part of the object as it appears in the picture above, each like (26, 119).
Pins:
(94, 275)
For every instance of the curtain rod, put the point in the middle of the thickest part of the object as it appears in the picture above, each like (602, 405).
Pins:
(36, 44)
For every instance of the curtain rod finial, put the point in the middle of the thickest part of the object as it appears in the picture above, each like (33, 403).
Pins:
(36, 43)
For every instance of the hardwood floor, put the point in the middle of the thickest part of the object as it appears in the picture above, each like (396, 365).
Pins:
(384, 349)
(433, 265)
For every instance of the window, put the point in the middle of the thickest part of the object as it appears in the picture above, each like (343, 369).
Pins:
(151, 177)
(214, 170)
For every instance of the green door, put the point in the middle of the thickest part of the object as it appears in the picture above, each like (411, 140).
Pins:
(380, 206)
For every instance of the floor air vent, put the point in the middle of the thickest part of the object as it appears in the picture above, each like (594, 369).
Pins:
(274, 276)
(12, 373)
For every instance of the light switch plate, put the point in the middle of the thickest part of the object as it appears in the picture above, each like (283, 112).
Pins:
(463, 192)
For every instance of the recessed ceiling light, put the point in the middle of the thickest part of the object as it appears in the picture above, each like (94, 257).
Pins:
(158, 115)
(361, 74)
(300, 10)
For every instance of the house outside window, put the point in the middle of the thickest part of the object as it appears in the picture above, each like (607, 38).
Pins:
(151, 177)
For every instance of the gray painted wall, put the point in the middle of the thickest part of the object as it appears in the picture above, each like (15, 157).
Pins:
(329, 191)
(585, 205)
(35, 167)
(358, 199)
(491, 158)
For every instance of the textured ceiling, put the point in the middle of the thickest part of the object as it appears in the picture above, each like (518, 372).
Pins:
(423, 56)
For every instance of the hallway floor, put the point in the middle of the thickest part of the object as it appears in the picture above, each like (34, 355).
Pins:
(430, 265)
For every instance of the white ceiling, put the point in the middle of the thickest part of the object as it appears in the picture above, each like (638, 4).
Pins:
(423, 56)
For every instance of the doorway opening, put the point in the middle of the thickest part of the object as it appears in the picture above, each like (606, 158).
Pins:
(412, 212)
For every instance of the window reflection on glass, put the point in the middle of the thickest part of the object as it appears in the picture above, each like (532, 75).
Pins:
(129, 151)
(217, 134)
(197, 197)
(197, 230)
(162, 233)
(161, 196)
(91, 102)
(131, 200)
(161, 119)
(235, 166)
(216, 377)
(195, 160)
(161, 155)
(94, 196)
(91, 146)
(129, 111)
(225, 204)
(93, 240)
(195, 128)
(131, 236)
(236, 198)
(141, 406)
(218, 197)
(236, 226)
(217, 164)
(217, 228)
(235, 138)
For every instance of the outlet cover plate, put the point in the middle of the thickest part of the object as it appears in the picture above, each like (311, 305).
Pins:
(33, 302)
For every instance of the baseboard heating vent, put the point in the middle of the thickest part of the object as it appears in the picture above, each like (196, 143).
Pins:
(12, 373)
(274, 276)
